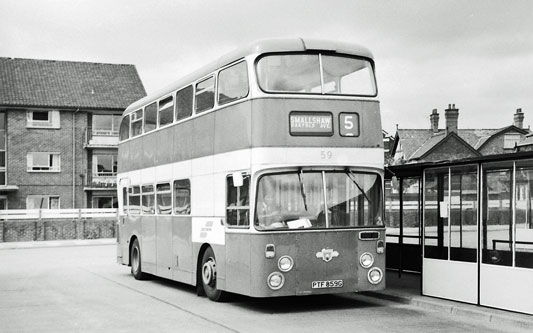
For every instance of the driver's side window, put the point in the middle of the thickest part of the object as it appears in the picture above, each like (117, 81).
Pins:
(237, 202)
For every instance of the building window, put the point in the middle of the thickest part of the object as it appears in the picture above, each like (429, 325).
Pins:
(42, 202)
(105, 202)
(104, 165)
(43, 162)
(42, 119)
(105, 125)
(510, 140)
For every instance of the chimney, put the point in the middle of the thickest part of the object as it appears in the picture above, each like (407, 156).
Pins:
(518, 119)
(434, 119)
(451, 114)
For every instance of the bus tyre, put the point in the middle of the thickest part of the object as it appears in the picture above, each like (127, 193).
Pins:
(135, 259)
(208, 272)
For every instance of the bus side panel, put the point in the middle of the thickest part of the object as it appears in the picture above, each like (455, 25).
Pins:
(182, 135)
(183, 261)
(238, 263)
(148, 244)
(164, 246)
(202, 135)
(233, 128)
(129, 226)
(166, 143)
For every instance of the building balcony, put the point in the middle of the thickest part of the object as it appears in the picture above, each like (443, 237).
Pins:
(101, 181)
(100, 138)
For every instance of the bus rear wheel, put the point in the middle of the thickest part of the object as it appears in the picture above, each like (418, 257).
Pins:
(135, 259)
(209, 277)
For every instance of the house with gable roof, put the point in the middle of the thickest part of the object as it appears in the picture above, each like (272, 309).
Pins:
(451, 143)
(59, 131)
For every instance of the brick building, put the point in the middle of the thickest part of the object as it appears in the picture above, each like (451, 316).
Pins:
(452, 143)
(59, 131)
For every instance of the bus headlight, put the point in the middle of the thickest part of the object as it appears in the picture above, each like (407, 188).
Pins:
(366, 260)
(285, 263)
(275, 280)
(375, 275)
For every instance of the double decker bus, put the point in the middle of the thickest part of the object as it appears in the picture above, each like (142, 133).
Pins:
(259, 174)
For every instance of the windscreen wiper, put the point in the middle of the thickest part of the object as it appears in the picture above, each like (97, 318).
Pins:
(350, 175)
(302, 188)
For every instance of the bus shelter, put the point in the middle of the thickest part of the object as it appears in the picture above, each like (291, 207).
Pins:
(467, 226)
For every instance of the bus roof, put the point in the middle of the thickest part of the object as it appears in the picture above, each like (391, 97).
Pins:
(257, 47)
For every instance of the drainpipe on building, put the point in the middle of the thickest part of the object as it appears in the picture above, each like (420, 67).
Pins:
(74, 158)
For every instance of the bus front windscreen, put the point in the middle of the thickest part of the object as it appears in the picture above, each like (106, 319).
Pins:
(318, 199)
(304, 73)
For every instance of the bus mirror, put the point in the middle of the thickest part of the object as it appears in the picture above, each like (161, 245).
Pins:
(238, 180)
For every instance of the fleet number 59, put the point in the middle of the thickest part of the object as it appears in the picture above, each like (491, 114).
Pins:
(326, 154)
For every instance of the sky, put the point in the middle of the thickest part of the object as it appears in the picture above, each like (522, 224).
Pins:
(476, 54)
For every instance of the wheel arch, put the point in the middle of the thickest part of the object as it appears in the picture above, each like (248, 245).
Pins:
(130, 245)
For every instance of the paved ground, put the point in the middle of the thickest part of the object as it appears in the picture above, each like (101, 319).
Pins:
(81, 288)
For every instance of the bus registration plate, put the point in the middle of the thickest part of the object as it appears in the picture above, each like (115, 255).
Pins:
(326, 284)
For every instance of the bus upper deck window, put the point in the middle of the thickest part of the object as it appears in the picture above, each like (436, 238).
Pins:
(150, 117)
(316, 74)
(205, 95)
(232, 83)
(348, 76)
(124, 132)
(184, 99)
(136, 122)
(289, 73)
(166, 111)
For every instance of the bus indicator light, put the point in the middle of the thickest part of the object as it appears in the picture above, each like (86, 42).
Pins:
(270, 251)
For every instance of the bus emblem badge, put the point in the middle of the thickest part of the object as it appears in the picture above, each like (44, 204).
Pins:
(327, 254)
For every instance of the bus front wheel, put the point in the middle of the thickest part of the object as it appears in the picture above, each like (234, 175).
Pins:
(209, 277)
(135, 258)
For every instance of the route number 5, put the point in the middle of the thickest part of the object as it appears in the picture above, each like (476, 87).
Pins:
(349, 124)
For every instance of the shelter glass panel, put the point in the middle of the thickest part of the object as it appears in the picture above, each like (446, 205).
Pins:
(524, 214)
(436, 236)
(463, 214)
(392, 210)
(497, 214)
